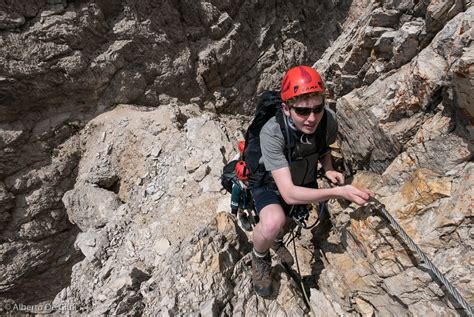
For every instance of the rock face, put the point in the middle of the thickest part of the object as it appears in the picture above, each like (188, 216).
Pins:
(116, 120)
(63, 63)
(94, 54)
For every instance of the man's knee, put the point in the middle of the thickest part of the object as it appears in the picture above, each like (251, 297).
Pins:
(272, 220)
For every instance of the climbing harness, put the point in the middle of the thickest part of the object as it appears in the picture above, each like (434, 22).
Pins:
(300, 214)
(377, 205)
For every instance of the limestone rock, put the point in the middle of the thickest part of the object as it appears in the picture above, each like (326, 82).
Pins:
(127, 114)
(438, 13)
(92, 243)
(322, 306)
(381, 17)
(397, 97)
(420, 191)
(89, 206)
(6, 203)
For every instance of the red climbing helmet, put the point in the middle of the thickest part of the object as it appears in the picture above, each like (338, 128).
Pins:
(241, 146)
(241, 170)
(300, 80)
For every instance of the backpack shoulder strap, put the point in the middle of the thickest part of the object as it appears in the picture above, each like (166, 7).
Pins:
(284, 126)
(321, 132)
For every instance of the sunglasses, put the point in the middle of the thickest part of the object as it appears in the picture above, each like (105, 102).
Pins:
(304, 111)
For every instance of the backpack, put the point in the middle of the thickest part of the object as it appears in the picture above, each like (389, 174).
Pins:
(268, 105)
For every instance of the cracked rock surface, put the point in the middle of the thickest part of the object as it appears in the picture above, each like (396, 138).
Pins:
(116, 120)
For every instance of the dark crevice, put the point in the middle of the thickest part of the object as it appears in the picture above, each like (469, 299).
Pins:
(181, 119)
(115, 186)
(111, 183)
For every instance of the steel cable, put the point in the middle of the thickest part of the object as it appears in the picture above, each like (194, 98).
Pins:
(451, 289)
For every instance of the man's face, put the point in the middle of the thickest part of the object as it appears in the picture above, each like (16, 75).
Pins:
(304, 119)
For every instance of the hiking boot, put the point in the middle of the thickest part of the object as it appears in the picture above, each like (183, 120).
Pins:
(261, 274)
(245, 221)
(285, 256)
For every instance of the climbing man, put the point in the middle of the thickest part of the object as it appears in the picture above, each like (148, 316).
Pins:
(287, 174)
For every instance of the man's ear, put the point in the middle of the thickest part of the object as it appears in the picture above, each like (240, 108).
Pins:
(286, 109)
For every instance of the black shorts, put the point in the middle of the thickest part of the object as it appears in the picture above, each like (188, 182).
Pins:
(266, 195)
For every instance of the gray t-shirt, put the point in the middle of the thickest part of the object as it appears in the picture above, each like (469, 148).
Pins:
(272, 141)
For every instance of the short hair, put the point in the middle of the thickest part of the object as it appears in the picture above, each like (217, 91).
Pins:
(294, 100)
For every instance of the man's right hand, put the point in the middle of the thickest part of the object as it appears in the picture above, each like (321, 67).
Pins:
(358, 196)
